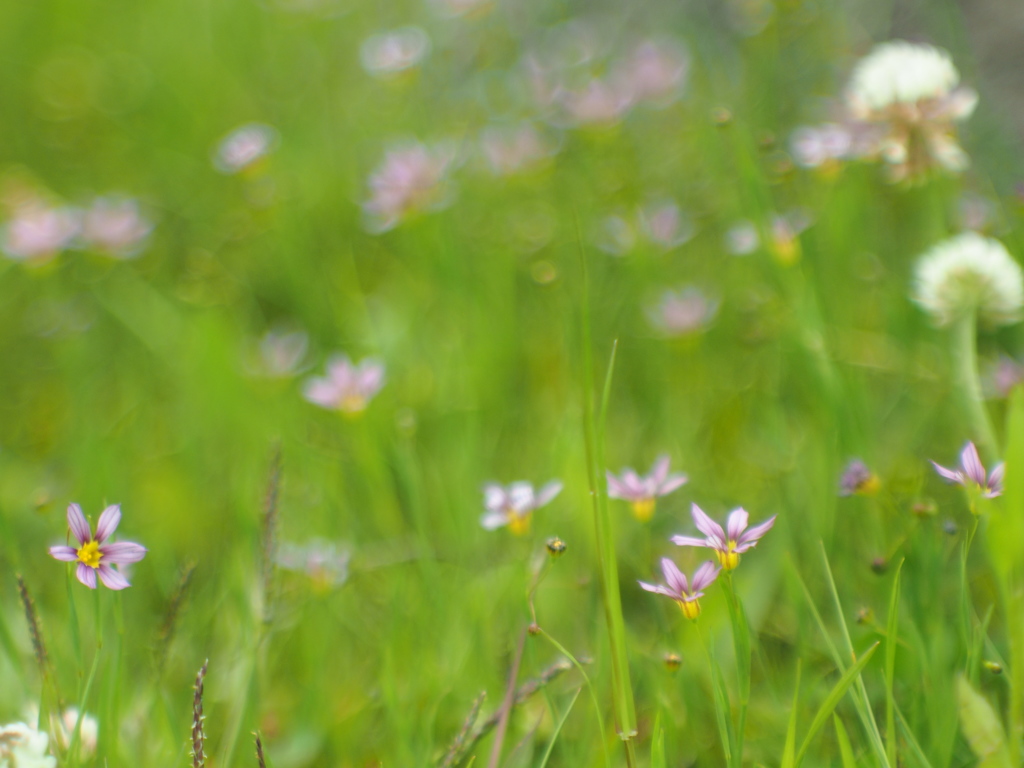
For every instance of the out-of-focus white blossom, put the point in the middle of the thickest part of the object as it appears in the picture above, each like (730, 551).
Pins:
(37, 231)
(969, 273)
(22, 746)
(653, 72)
(454, 8)
(115, 226)
(243, 147)
(913, 91)
(390, 53)
(683, 312)
(324, 562)
(411, 178)
(815, 146)
(661, 223)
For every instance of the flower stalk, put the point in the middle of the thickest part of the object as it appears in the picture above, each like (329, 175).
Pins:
(965, 362)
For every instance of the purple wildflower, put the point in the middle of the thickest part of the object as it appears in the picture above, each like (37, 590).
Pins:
(687, 594)
(243, 147)
(642, 492)
(115, 226)
(513, 505)
(729, 543)
(858, 479)
(972, 472)
(346, 387)
(94, 554)
(682, 312)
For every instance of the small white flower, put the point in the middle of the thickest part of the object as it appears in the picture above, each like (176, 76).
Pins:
(682, 312)
(38, 231)
(22, 746)
(389, 53)
(115, 226)
(324, 562)
(243, 147)
(967, 273)
(411, 178)
(899, 72)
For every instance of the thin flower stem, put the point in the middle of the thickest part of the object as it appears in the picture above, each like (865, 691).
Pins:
(965, 360)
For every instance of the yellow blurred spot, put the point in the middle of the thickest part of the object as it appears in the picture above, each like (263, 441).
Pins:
(690, 608)
(730, 559)
(89, 553)
(643, 509)
(519, 524)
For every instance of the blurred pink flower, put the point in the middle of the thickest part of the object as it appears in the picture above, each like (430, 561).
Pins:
(390, 53)
(598, 103)
(454, 8)
(683, 311)
(324, 562)
(514, 505)
(653, 72)
(115, 226)
(281, 353)
(346, 387)
(971, 473)
(243, 147)
(410, 179)
(642, 492)
(513, 149)
(730, 542)
(38, 231)
(665, 224)
(816, 146)
(686, 593)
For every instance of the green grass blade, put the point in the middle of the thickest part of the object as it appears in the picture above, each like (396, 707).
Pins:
(829, 705)
(788, 752)
(558, 729)
(721, 698)
(981, 727)
(891, 639)
(658, 744)
(845, 750)
(914, 750)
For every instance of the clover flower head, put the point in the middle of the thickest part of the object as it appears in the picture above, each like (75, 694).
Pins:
(410, 179)
(514, 149)
(95, 555)
(513, 505)
(971, 473)
(857, 479)
(115, 226)
(389, 53)
(243, 147)
(899, 72)
(911, 90)
(685, 311)
(324, 562)
(686, 593)
(728, 543)
(22, 746)
(969, 273)
(642, 492)
(346, 387)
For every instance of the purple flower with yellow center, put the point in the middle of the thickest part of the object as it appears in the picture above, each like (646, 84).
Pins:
(971, 473)
(346, 387)
(686, 593)
(642, 492)
(858, 480)
(513, 505)
(94, 554)
(729, 543)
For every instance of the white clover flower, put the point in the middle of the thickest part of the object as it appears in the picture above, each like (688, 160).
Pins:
(911, 93)
(22, 746)
(967, 273)
(389, 53)
(243, 147)
(899, 72)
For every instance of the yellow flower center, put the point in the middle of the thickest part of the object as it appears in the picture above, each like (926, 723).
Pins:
(690, 608)
(519, 524)
(729, 559)
(643, 509)
(352, 405)
(89, 553)
(869, 487)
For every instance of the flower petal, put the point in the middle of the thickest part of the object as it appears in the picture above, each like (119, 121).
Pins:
(658, 589)
(78, 524)
(370, 377)
(951, 475)
(707, 526)
(995, 480)
(972, 465)
(689, 541)
(122, 552)
(705, 575)
(64, 554)
(495, 497)
(671, 483)
(112, 579)
(751, 536)
(659, 470)
(321, 392)
(493, 520)
(737, 523)
(616, 489)
(108, 522)
(547, 493)
(675, 578)
(86, 575)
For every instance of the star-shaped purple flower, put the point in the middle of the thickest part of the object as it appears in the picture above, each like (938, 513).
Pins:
(687, 594)
(514, 505)
(346, 387)
(729, 543)
(642, 492)
(94, 554)
(972, 472)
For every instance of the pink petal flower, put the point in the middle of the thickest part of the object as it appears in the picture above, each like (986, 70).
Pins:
(122, 552)
(78, 524)
(110, 518)
(64, 554)
(112, 579)
(86, 575)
